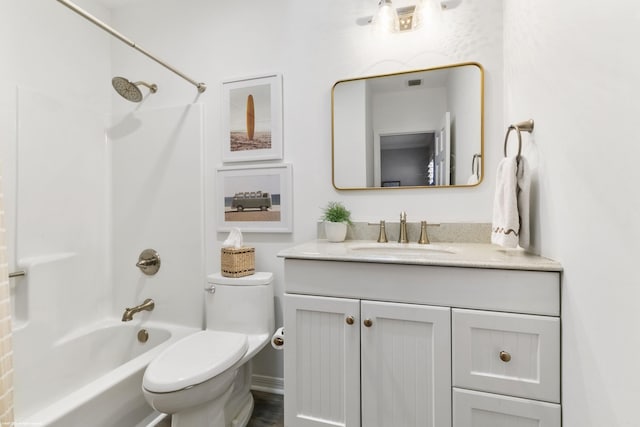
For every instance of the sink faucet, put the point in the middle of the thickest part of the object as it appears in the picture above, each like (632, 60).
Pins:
(147, 305)
(402, 238)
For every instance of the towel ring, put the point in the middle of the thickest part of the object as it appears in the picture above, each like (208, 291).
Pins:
(526, 126)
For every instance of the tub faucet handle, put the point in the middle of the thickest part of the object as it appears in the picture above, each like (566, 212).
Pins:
(149, 262)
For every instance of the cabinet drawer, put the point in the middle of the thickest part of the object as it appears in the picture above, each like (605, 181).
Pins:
(476, 409)
(504, 353)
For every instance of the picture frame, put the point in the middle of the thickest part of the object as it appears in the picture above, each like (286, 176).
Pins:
(256, 199)
(252, 119)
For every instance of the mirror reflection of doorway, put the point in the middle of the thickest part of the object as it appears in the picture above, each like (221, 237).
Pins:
(417, 158)
(407, 159)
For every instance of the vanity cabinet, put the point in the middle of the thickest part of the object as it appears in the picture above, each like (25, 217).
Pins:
(461, 342)
(357, 362)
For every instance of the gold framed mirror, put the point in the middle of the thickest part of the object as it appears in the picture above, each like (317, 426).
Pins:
(413, 129)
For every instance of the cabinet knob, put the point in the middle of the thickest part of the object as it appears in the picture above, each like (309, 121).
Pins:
(350, 320)
(368, 323)
(504, 356)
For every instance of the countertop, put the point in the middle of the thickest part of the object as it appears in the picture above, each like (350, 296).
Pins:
(472, 255)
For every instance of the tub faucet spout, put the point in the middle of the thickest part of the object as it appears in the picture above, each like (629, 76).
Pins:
(147, 305)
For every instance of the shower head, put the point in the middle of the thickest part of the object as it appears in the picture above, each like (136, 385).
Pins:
(129, 90)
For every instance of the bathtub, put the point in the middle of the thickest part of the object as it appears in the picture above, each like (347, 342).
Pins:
(91, 377)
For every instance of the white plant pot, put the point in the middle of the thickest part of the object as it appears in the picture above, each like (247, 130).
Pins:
(335, 231)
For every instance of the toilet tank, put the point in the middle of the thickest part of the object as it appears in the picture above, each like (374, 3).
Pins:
(244, 304)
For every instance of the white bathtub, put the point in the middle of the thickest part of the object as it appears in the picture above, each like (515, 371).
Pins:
(92, 377)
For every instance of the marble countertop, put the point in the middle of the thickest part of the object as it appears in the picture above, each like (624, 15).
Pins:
(473, 255)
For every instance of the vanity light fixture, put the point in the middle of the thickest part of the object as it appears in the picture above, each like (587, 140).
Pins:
(389, 19)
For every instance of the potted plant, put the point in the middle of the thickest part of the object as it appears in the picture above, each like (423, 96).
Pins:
(336, 218)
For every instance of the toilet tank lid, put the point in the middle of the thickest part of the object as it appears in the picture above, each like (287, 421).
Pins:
(259, 278)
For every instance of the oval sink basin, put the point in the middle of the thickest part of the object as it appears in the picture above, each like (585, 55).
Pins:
(399, 249)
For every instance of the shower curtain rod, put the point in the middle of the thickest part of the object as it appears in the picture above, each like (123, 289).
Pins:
(201, 86)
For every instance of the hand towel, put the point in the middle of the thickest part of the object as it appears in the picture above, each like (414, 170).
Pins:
(506, 222)
(524, 197)
(473, 180)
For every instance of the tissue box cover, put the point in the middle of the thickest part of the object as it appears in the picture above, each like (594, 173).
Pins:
(238, 262)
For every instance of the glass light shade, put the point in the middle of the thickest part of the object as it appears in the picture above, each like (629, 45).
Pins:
(386, 19)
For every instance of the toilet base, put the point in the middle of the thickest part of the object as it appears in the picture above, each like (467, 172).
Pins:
(244, 415)
(240, 405)
(242, 418)
(206, 415)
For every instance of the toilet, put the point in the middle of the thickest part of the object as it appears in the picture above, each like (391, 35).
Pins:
(204, 379)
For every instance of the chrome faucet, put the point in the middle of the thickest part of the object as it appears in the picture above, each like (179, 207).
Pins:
(147, 305)
(402, 238)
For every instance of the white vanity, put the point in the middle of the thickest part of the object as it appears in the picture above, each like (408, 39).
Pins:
(445, 335)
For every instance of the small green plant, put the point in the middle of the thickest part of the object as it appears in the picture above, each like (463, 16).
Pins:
(336, 212)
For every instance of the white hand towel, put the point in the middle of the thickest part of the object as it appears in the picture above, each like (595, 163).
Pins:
(473, 180)
(524, 197)
(506, 222)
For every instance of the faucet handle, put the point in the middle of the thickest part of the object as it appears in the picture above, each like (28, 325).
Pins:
(382, 237)
(424, 238)
(403, 216)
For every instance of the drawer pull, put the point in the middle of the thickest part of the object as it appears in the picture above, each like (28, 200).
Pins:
(350, 320)
(504, 356)
(368, 323)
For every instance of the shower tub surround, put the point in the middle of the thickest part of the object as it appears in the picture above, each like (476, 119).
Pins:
(92, 374)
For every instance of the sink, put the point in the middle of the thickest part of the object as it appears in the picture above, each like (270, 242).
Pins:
(399, 249)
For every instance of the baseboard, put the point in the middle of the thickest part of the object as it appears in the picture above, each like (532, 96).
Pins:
(267, 384)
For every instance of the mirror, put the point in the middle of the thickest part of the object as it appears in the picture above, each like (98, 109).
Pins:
(419, 128)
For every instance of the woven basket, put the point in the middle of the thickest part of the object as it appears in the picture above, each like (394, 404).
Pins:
(237, 262)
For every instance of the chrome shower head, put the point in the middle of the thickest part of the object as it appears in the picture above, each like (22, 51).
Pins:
(130, 91)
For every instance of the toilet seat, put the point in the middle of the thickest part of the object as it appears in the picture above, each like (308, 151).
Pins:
(194, 360)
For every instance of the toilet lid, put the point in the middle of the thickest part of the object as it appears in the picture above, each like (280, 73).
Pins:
(193, 360)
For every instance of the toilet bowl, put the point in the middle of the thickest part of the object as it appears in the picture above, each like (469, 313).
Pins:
(204, 379)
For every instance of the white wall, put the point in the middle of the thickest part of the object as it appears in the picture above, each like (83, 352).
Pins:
(313, 44)
(572, 66)
(158, 203)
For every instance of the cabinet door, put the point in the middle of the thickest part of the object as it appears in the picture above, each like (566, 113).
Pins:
(476, 409)
(406, 365)
(321, 361)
